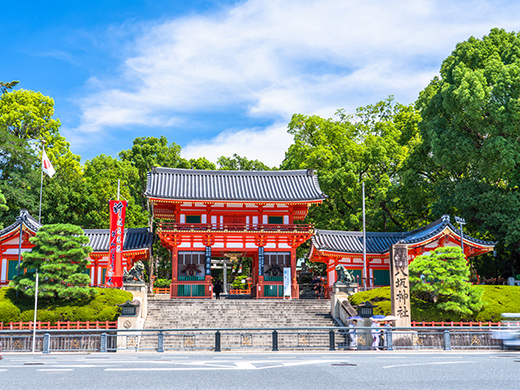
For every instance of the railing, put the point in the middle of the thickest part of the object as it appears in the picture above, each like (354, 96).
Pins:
(161, 290)
(263, 339)
(240, 291)
(461, 323)
(60, 325)
(173, 226)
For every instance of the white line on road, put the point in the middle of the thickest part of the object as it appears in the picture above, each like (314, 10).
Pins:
(206, 366)
(425, 364)
(55, 369)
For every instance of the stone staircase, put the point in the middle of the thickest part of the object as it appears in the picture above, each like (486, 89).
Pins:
(195, 315)
(229, 313)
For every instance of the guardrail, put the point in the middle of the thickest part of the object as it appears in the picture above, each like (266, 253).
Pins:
(262, 339)
(60, 325)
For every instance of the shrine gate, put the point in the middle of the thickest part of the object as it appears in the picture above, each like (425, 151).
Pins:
(202, 214)
(346, 248)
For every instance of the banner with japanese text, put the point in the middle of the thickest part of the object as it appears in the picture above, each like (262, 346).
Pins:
(114, 275)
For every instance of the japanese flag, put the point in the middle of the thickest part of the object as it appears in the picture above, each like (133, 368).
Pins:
(47, 166)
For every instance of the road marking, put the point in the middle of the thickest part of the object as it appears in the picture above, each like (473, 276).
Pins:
(2, 370)
(425, 364)
(55, 369)
(207, 366)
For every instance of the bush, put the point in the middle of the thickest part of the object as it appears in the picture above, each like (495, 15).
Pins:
(102, 308)
(162, 283)
(497, 300)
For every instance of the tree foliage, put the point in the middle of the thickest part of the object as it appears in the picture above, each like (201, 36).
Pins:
(347, 150)
(442, 277)
(471, 137)
(238, 163)
(60, 257)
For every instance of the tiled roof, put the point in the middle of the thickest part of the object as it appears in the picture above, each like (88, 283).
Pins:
(25, 218)
(189, 184)
(134, 239)
(352, 242)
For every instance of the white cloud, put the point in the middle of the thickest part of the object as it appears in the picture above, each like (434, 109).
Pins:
(266, 145)
(274, 59)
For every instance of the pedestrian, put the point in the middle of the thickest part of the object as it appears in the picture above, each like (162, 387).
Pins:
(318, 288)
(376, 333)
(217, 289)
(385, 332)
(353, 334)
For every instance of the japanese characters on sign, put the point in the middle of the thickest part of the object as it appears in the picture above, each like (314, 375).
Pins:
(400, 284)
(208, 261)
(114, 275)
(261, 260)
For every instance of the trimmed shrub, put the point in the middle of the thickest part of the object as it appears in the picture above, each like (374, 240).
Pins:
(102, 308)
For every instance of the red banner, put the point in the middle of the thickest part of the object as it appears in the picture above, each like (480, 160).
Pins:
(114, 275)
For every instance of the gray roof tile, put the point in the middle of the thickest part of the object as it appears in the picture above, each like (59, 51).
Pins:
(139, 238)
(352, 242)
(189, 184)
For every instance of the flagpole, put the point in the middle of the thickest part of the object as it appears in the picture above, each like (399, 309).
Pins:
(365, 279)
(41, 190)
(35, 310)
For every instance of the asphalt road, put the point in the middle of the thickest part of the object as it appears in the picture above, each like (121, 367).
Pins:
(244, 371)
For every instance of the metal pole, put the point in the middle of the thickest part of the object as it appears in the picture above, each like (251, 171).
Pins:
(19, 250)
(365, 271)
(118, 187)
(41, 191)
(35, 311)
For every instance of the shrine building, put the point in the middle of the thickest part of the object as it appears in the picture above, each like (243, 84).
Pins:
(137, 244)
(346, 248)
(202, 214)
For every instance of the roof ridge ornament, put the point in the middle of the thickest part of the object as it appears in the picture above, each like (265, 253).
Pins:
(445, 218)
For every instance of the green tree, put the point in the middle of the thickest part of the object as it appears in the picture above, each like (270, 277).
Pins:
(101, 175)
(148, 152)
(26, 119)
(60, 257)
(348, 150)
(470, 132)
(3, 206)
(201, 163)
(238, 163)
(442, 277)
(5, 87)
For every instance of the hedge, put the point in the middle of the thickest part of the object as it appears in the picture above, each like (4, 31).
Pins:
(101, 308)
(497, 299)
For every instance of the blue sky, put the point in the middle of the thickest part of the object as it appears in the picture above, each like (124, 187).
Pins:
(223, 77)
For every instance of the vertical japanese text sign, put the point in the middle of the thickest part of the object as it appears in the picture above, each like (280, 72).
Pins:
(114, 275)
(400, 284)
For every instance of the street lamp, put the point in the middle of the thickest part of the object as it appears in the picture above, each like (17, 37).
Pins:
(461, 221)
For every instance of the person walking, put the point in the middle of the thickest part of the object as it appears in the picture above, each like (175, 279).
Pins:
(386, 327)
(376, 333)
(217, 289)
(353, 334)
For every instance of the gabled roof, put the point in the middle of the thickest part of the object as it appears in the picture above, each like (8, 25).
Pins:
(24, 218)
(203, 185)
(352, 242)
(134, 239)
(137, 238)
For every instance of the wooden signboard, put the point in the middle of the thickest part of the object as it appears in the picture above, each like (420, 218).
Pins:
(400, 285)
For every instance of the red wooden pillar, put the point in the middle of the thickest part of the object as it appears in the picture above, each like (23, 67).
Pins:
(175, 265)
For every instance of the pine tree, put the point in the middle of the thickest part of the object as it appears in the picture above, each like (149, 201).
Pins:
(442, 277)
(60, 256)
